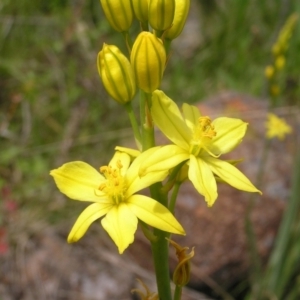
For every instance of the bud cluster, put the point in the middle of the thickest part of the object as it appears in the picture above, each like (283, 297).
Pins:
(148, 55)
(279, 50)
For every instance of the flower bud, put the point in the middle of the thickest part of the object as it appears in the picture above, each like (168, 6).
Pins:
(116, 73)
(269, 71)
(161, 14)
(119, 13)
(181, 275)
(280, 62)
(148, 59)
(181, 12)
(140, 8)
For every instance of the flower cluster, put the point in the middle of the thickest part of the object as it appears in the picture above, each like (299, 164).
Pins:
(197, 141)
(279, 50)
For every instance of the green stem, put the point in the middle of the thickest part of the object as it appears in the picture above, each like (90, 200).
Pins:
(146, 121)
(128, 40)
(160, 247)
(178, 292)
(160, 252)
(174, 196)
(134, 124)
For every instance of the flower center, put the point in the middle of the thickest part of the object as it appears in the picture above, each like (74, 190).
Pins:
(203, 133)
(114, 186)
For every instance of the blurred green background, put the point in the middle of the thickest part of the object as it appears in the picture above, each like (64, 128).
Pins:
(54, 109)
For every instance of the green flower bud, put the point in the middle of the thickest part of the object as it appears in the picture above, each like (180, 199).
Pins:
(148, 59)
(181, 12)
(116, 73)
(140, 8)
(119, 13)
(161, 14)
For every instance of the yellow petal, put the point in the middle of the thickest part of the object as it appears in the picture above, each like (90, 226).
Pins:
(167, 117)
(121, 224)
(203, 179)
(154, 214)
(135, 182)
(191, 115)
(131, 152)
(86, 218)
(122, 157)
(230, 133)
(230, 174)
(78, 180)
(164, 158)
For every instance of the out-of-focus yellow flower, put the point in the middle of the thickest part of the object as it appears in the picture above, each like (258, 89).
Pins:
(181, 275)
(148, 59)
(198, 141)
(277, 127)
(140, 8)
(274, 90)
(161, 14)
(116, 73)
(280, 62)
(113, 194)
(119, 13)
(281, 45)
(269, 71)
(181, 12)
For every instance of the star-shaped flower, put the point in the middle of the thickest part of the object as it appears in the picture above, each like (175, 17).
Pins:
(113, 194)
(198, 141)
(277, 127)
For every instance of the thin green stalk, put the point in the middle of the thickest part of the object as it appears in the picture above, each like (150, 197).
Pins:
(146, 121)
(174, 196)
(178, 292)
(134, 124)
(160, 247)
(128, 40)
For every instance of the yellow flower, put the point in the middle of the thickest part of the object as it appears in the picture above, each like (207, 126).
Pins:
(113, 194)
(148, 59)
(198, 141)
(116, 73)
(277, 127)
(269, 71)
(119, 13)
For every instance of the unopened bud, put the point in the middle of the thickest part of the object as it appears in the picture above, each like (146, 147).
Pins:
(148, 59)
(161, 14)
(181, 12)
(140, 8)
(119, 13)
(269, 71)
(116, 74)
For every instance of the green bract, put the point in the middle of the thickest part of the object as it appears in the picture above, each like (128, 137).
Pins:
(116, 74)
(148, 59)
(119, 13)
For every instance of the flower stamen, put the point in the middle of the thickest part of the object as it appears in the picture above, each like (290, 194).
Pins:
(114, 186)
(204, 132)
